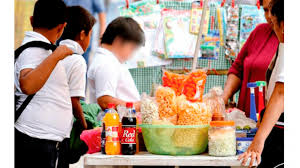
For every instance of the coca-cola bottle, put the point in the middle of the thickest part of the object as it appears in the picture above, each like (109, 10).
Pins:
(128, 140)
(103, 139)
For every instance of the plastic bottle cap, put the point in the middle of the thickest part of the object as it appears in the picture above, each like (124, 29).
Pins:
(111, 105)
(129, 105)
(251, 85)
(221, 123)
(260, 83)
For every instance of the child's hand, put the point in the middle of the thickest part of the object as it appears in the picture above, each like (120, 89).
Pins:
(62, 52)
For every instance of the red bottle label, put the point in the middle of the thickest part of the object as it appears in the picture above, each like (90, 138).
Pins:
(129, 135)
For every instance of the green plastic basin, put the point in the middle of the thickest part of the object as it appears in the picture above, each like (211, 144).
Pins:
(175, 140)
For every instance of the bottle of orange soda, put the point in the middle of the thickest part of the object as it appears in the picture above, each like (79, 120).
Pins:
(112, 144)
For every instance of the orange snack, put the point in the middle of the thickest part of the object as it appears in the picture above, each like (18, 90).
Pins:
(194, 86)
(165, 98)
(192, 113)
(174, 81)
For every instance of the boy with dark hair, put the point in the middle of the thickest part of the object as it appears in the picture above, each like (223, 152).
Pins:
(47, 118)
(77, 36)
(109, 80)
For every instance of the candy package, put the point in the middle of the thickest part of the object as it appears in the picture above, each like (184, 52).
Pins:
(250, 18)
(196, 14)
(232, 32)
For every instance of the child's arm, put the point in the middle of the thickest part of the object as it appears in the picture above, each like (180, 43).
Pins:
(32, 80)
(78, 112)
(104, 100)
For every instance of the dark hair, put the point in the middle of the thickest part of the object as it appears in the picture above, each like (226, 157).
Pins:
(261, 2)
(277, 9)
(78, 19)
(49, 13)
(125, 28)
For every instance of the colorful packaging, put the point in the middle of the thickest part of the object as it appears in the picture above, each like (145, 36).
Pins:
(176, 30)
(250, 18)
(242, 144)
(196, 14)
(147, 13)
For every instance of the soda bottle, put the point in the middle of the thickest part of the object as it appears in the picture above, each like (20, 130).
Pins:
(103, 135)
(111, 119)
(103, 139)
(128, 139)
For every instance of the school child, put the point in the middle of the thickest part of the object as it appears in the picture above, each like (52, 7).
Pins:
(109, 81)
(76, 36)
(42, 85)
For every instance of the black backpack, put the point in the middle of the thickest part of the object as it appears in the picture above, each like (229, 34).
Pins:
(39, 44)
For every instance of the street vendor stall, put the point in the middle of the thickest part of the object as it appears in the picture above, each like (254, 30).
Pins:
(181, 123)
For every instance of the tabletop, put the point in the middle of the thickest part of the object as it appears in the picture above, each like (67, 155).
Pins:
(145, 158)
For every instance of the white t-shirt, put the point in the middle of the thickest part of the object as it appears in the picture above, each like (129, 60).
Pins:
(107, 76)
(76, 68)
(49, 114)
(278, 72)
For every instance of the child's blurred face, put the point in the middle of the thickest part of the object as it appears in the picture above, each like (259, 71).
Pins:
(125, 49)
(85, 39)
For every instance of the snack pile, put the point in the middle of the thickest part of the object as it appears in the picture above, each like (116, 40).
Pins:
(191, 85)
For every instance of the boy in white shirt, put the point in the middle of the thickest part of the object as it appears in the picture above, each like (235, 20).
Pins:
(77, 36)
(54, 79)
(109, 81)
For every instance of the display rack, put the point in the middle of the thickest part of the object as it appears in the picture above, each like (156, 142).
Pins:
(145, 77)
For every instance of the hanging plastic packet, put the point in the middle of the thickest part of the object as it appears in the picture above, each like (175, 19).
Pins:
(196, 13)
(175, 25)
(214, 39)
(232, 32)
(250, 18)
(147, 13)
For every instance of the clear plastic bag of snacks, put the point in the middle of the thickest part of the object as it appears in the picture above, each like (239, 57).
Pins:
(165, 98)
(149, 109)
(215, 104)
(192, 113)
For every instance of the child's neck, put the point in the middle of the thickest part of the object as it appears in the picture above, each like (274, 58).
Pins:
(51, 35)
(111, 49)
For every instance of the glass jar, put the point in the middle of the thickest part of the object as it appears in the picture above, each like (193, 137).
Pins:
(221, 138)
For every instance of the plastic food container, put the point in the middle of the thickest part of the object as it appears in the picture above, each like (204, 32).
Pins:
(221, 138)
(242, 144)
(175, 140)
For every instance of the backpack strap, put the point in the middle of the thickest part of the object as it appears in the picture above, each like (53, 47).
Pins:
(39, 44)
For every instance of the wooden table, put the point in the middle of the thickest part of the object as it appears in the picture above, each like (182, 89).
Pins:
(144, 158)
